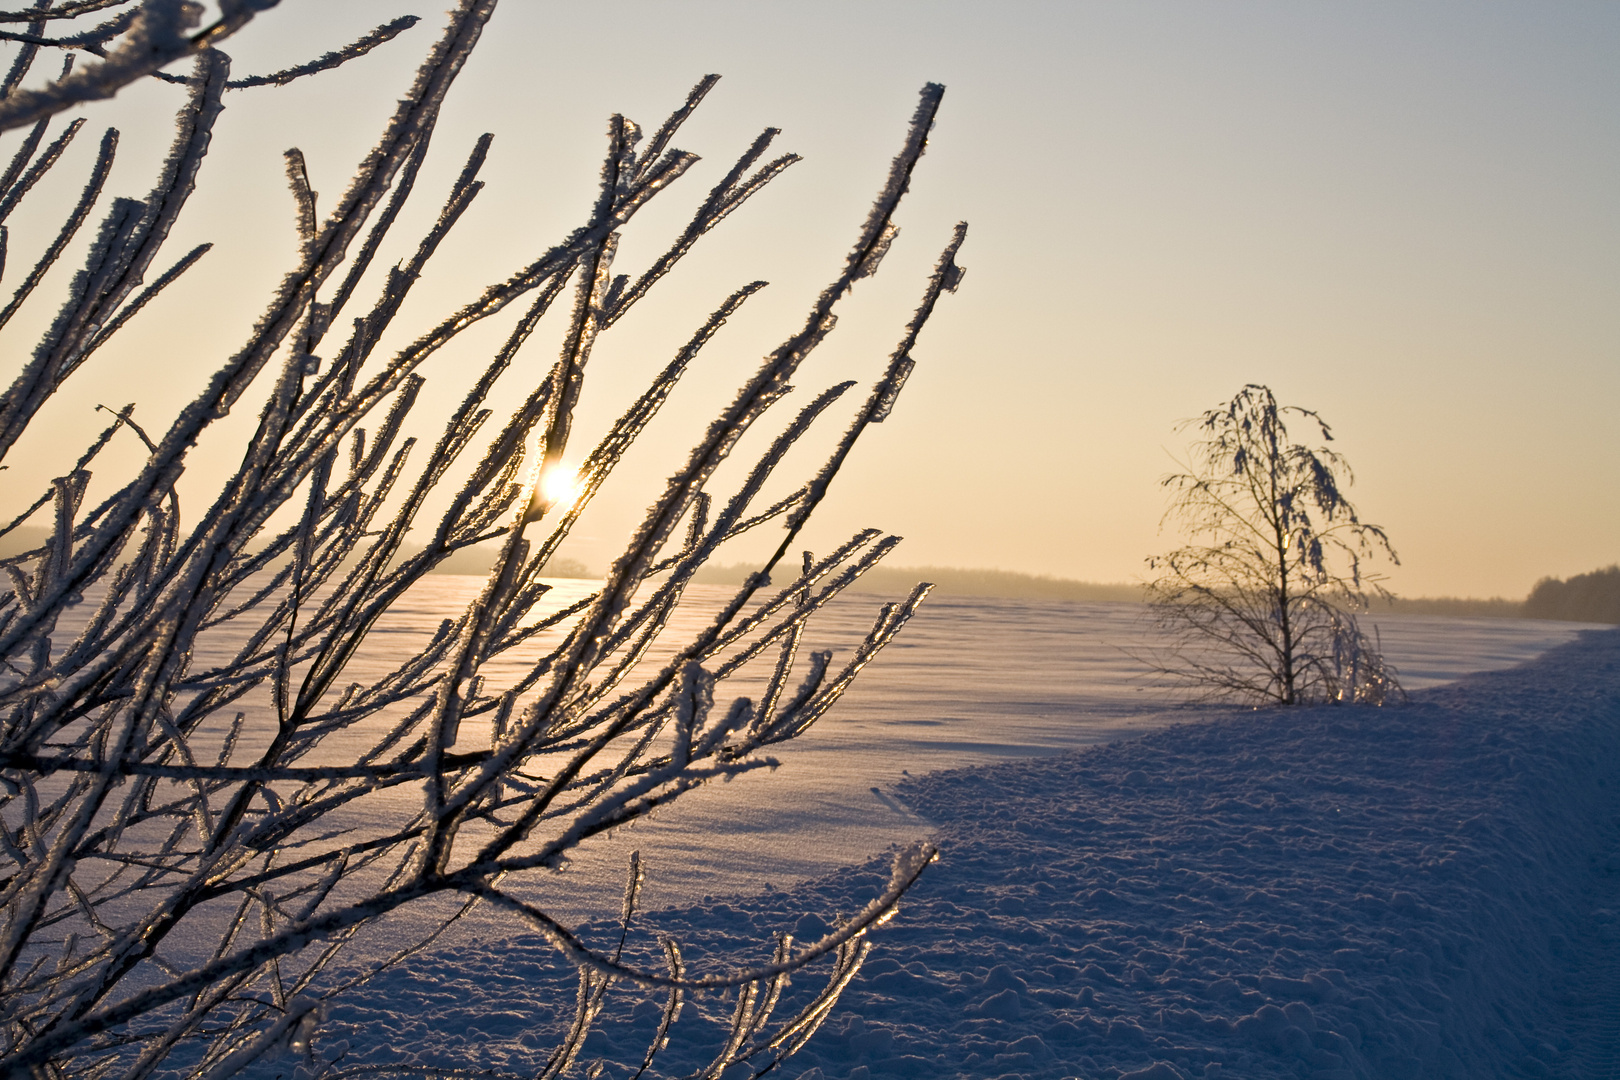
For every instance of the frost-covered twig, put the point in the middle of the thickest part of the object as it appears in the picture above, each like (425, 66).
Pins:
(182, 737)
(325, 62)
(159, 33)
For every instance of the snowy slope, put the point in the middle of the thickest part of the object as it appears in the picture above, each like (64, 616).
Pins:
(1426, 890)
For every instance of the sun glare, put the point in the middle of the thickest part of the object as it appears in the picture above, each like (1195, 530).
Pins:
(559, 485)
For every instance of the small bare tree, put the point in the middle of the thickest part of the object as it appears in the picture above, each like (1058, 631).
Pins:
(182, 753)
(1262, 605)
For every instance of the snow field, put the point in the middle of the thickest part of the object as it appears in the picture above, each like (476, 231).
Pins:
(1330, 893)
(1429, 890)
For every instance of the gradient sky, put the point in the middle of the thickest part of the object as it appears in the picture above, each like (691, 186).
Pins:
(1405, 216)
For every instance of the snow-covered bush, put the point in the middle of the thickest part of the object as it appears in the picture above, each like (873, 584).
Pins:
(1262, 605)
(156, 792)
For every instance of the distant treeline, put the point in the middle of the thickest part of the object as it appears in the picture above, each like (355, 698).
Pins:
(1593, 597)
(956, 581)
(1496, 607)
(476, 561)
(480, 560)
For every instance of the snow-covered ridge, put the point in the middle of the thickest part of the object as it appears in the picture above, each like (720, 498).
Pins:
(1429, 890)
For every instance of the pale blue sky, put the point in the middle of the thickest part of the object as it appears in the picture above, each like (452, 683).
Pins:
(1406, 216)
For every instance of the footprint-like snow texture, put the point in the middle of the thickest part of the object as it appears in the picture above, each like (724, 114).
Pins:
(1423, 890)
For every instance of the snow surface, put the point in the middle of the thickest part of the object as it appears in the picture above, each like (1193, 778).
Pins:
(971, 681)
(1423, 890)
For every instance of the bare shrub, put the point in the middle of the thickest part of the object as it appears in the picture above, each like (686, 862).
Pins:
(157, 788)
(1262, 606)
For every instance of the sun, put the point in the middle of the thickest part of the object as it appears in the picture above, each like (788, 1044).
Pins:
(559, 485)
